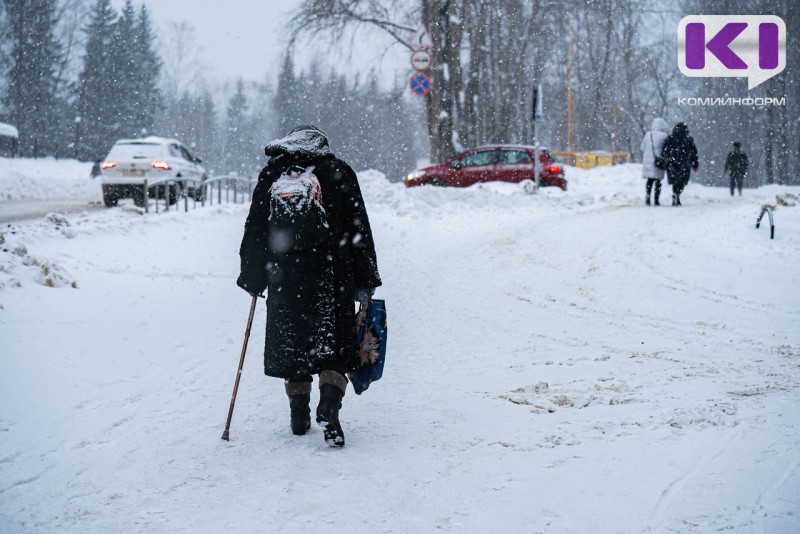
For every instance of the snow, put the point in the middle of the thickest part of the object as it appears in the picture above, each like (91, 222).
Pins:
(558, 362)
(47, 179)
(8, 131)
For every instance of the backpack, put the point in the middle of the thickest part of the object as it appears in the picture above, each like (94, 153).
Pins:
(297, 219)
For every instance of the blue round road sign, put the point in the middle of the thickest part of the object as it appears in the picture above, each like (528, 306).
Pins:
(420, 84)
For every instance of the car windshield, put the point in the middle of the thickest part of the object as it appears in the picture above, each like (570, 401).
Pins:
(551, 156)
(126, 151)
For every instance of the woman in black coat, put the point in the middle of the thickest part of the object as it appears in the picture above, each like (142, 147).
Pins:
(311, 282)
(680, 153)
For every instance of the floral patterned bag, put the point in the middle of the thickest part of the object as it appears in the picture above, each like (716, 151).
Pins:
(371, 343)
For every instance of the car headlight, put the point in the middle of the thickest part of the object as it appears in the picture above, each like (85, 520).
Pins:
(414, 175)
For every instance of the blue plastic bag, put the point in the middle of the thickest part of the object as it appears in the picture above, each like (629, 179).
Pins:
(371, 343)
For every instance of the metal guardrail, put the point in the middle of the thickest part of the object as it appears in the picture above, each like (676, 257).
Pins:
(232, 184)
(771, 221)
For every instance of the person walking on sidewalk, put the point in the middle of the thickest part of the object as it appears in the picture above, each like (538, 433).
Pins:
(736, 167)
(680, 155)
(651, 146)
(308, 242)
(96, 170)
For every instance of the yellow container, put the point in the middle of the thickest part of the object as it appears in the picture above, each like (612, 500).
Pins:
(604, 158)
(585, 160)
(589, 160)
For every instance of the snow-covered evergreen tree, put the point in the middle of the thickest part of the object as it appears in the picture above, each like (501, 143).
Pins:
(97, 86)
(118, 93)
(287, 97)
(125, 72)
(235, 133)
(32, 82)
(147, 68)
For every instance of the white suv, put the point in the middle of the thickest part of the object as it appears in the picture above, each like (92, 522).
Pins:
(132, 161)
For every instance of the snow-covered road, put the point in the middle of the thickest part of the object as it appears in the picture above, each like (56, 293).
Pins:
(20, 210)
(558, 362)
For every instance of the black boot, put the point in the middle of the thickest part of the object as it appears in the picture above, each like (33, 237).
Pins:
(299, 400)
(331, 392)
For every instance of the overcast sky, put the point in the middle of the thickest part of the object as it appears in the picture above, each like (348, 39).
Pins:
(246, 38)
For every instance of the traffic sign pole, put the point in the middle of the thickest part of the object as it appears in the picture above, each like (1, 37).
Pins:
(536, 111)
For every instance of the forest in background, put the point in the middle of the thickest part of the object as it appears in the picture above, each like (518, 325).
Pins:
(76, 75)
(91, 75)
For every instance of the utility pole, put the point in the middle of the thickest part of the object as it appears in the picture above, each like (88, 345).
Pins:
(75, 151)
(614, 133)
(537, 118)
(569, 87)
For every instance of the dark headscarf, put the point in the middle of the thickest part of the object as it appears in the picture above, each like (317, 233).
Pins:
(680, 130)
(302, 142)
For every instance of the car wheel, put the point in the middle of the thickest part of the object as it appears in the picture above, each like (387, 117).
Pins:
(110, 197)
(138, 196)
(199, 190)
(529, 186)
(436, 182)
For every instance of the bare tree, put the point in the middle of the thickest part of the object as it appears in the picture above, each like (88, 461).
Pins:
(485, 56)
(71, 15)
(184, 69)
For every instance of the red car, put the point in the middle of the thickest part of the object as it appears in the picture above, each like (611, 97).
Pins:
(503, 163)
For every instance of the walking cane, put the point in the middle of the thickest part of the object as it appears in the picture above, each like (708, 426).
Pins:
(239, 372)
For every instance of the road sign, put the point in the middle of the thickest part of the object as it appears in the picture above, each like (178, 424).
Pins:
(421, 39)
(421, 60)
(420, 84)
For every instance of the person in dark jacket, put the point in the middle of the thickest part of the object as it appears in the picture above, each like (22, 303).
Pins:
(311, 327)
(96, 170)
(680, 154)
(736, 167)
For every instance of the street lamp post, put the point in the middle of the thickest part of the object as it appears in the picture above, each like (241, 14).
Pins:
(77, 136)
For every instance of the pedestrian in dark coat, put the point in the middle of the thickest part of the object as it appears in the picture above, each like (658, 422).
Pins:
(311, 326)
(96, 170)
(736, 167)
(680, 153)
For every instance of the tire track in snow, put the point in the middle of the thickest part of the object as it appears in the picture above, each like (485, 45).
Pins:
(655, 521)
(777, 482)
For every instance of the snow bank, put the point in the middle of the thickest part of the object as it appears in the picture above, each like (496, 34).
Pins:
(603, 187)
(47, 179)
